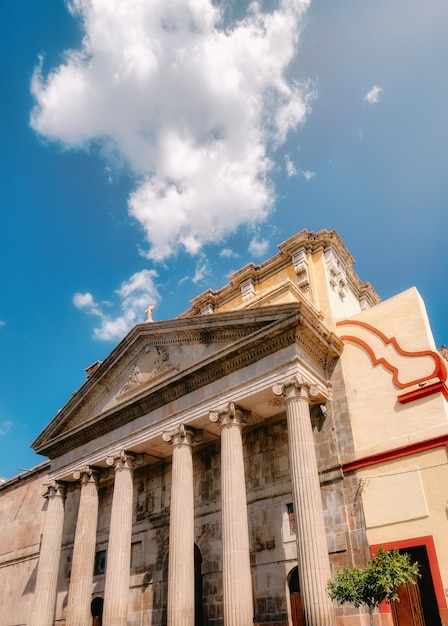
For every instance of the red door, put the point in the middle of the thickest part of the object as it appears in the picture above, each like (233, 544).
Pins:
(296, 609)
(296, 599)
(408, 610)
(418, 603)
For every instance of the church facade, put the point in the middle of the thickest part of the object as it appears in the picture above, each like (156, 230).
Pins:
(217, 468)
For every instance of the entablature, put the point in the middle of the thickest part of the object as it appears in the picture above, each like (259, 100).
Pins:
(146, 370)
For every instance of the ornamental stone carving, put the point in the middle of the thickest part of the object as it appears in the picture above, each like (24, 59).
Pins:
(89, 472)
(297, 384)
(231, 414)
(183, 435)
(54, 488)
(124, 459)
(154, 362)
(337, 274)
(300, 264)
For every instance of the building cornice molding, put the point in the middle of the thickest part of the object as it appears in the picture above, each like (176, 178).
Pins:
(310, 243)
(42, 468)
(227, 328)
(396, 453)
(267, 330)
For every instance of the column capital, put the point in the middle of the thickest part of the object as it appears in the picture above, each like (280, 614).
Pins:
(54, 489)
(232, 415)
(90, 473)
(298, 389)
(183, 435)
(124, 460)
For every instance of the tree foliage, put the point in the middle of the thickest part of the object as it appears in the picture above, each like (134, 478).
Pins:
(377, 582)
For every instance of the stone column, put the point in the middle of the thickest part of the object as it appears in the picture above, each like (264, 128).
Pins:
(118, 563)
(83, 561)
(181, 546)
(312, 550)
(50, 553)
(237, 581)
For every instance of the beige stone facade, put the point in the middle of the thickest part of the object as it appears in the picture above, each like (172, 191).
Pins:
(216, 468)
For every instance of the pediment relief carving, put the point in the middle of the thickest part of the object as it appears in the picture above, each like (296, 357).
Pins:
(148, 369)
(147, 365)
(153, 365)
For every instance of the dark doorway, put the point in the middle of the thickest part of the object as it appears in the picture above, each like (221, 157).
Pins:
(295, 598)
(418, 603)
(198, 594)
(96, 608)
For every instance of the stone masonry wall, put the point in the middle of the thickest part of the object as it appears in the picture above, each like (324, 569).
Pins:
(271, 526)
(341, 495)
(22, 509)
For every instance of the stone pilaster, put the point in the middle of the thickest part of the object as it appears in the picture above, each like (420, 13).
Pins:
(83, 560)
(312, 551)
(181, 545)
(50, 553)
(118, 563)
(237, 581)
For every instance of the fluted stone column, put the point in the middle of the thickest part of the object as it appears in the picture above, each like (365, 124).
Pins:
(312, 551)
(83, 561)
(181, 545)
(118, 562)
(50, 553)
(237, 581)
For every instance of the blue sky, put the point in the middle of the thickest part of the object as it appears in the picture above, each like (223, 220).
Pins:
(148, 149)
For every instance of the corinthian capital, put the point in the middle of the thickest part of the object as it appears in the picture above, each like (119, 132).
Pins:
(124, 459)
(231, 415)
(296, 387)
(90, 473)
(183, 435)
(54, 489)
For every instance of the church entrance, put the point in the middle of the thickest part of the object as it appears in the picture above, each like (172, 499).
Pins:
(418, 603)
(198, 593)
(96, 608)
(295, 598)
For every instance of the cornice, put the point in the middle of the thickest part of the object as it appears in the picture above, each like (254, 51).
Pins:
(311, 243)
(225, 328)
(396, 453)
(324, 240)
(323, 345)
(10, 483)
(278, 327)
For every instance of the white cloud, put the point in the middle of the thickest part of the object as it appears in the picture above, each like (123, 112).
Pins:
(291, 170)
(373, 95)
(135, 294)
(228, 253)
(193, 105)
(308, 175)
(202, 270)
(183, 280)
(5, 427)
(2, 323)
(83, 300)
(258, 247)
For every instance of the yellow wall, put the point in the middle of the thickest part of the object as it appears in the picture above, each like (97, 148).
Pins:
(406, 498)
(379, 421)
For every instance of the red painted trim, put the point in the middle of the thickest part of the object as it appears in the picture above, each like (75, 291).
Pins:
(428, 542)
(440, 370)
(422, 392)
(396, 453)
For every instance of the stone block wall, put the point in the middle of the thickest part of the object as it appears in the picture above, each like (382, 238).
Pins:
(271, 534)
(271, 526)
(22, 509)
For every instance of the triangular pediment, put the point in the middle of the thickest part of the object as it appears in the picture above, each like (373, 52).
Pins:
(161, 361)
